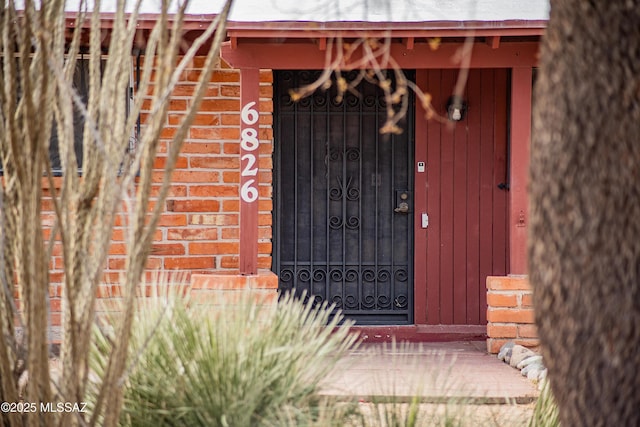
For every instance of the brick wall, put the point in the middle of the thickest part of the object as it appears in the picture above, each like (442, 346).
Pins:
(199, 229)
(510, 313)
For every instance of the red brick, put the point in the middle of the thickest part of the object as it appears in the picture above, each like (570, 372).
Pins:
(265, 148)
(265, 261)
(266, 76)
(230, 119)
(231, 177)
(183, 90)
(193, 233)
(528, 342)
(193, 205)
(220, 105)
(214, 219)
(218, 133)
(266, 106)
(202, 119)
(230, 261)
(189, 263)
(172, 220)
(111, 277)
(226, 76)
(153, 263)
(201, 147)
(266, 91)
(265, 247)
(265, 219)
(56, 319)
(265, 163)
(231, 205)
(265, 191)
(197, 61)
(220, 281)
(265, 205)
(229, 90)
(200, 248)
(189, 76)
(264, 233)
(527, 300)
(265, 177)
(502, 331)
(265, 134)
(55, 291)
(189, 176)
(501, 283)
(116, 263)
(493, 345)
(160, 163)
(232, 148)
(215, 162)
(510, 315)
(502, 300)
(230, 233)
(187, 90)
(118, 234)
(174, 190)
(167, 249)
(117, 249)
(213, 191)
(55, 305)
(527, 331)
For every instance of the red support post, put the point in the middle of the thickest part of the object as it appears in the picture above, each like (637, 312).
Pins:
(420, 207)
(521, 89)
(249, 155)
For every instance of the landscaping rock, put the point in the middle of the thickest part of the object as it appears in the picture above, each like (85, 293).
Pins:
(532, 366)
(534, 373)
(518, 354)
(529, 361)
(505, 351)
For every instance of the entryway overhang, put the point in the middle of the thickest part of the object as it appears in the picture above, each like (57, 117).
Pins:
(251, 46)
(433, 45)
(511, 45)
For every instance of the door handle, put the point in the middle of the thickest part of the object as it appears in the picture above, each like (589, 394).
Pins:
(403, 207)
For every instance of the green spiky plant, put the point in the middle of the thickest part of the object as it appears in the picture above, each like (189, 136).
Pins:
(239, 364)
(545, 413)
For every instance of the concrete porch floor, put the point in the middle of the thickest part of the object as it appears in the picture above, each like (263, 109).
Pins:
(436, 372)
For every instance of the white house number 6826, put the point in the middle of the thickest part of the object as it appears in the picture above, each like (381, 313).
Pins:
(249, 143)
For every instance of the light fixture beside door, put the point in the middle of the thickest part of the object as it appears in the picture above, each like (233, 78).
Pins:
(456, 108)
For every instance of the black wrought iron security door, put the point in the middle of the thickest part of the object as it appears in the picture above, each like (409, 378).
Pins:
(343, 231)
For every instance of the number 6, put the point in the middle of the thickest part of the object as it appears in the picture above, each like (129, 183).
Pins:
(249, 115)
(249, 193)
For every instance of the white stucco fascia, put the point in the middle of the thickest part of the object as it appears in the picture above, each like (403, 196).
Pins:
(394, 11)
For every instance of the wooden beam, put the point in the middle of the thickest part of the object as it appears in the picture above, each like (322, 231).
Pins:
(249, 176)
(420, 203)
(298, 56)
(322, 43)
(521, 89)
(493, 41)
(234, 43)
(410, 42)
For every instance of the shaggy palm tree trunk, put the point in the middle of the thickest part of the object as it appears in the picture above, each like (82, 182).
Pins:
(584, 252)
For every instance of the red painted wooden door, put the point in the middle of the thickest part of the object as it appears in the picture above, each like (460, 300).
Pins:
(464, 196)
